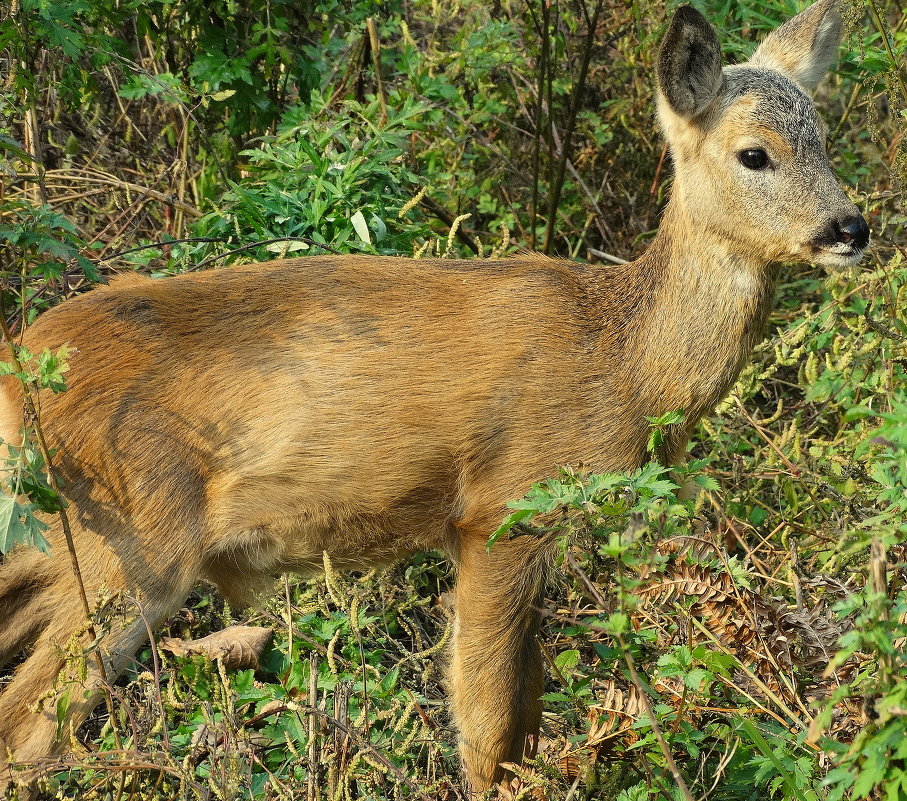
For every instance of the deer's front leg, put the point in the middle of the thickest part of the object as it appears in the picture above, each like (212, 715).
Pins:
(496, 673)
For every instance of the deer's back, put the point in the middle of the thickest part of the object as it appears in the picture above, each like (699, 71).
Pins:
(375, 393)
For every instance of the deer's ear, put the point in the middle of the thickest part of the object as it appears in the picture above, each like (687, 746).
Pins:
(689, 64)
(805, 46)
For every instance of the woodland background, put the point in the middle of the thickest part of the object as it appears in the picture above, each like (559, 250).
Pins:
(755, 638)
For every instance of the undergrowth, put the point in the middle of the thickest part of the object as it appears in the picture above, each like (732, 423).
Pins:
(750, 641)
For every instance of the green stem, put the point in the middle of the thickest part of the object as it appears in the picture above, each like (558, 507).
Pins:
(880, 27)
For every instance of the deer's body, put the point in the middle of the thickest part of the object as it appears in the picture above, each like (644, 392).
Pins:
(393, 467)
(239, 423)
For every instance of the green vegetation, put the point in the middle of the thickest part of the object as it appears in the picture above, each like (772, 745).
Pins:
(752, 640)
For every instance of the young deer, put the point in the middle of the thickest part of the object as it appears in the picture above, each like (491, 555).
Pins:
(235, 424)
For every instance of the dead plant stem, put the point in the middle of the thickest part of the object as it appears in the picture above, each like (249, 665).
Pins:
(537, 133)
(375, 42)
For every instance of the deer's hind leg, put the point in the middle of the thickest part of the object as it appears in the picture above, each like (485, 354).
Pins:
(24, 603)
(496, 667)
(49, 596)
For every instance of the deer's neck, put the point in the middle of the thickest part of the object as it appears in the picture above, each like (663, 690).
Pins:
(706, 308)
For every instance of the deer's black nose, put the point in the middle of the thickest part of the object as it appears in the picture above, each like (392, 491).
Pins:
(852, 231)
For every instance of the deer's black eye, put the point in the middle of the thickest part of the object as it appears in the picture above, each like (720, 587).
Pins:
(753, 159)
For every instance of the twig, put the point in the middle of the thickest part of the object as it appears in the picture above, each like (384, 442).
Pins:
(311, 792)
(656, 729)
(537, 133)
(109, 180)
(103, 762)
(183, 167)
(571, 125)
(252, 245)
(163, 244)
(600, 254)
(444, 216)
(156, 666)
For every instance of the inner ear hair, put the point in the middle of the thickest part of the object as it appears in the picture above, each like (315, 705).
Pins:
(689, 64)
(804, 47)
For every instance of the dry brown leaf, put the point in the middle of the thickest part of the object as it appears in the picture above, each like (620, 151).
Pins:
(520, 786)
(766, 633)
(612, 716)
(238, 647)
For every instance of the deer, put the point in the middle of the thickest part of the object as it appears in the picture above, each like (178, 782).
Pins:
(235, 424)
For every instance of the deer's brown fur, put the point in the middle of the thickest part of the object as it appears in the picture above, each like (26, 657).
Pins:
(237, 423)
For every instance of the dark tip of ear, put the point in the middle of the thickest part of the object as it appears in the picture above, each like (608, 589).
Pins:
(689, 63)
(687, 15)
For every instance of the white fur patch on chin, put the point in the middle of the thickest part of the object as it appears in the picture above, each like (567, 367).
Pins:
(839, 256)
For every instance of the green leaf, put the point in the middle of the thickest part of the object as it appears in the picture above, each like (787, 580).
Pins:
(509, 522)
(359, 223)
(567, 660)
(760, 742)
(707, 482)
(667, 419)
(617, 623)
(62, 709)
(12, 146)
(8, 507)
(697, 678)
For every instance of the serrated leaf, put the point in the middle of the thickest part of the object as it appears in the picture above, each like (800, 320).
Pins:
(660, 487)
(706, 482)
(567, 660)
(696, 678)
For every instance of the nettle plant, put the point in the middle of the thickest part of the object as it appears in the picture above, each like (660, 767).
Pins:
(699, 703)
(42, 249)
(28, 485)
